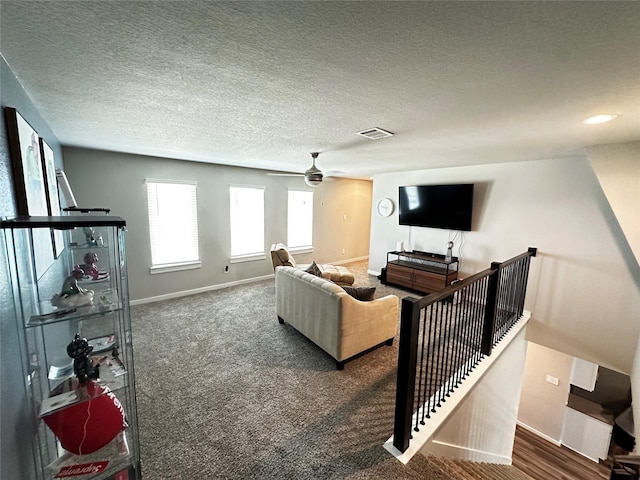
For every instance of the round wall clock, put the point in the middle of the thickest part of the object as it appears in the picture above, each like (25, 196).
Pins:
(385, 207)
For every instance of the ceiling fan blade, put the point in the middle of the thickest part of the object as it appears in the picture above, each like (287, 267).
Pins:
(276, 174)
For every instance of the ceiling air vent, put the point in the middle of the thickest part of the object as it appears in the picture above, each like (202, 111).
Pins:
(375, 133)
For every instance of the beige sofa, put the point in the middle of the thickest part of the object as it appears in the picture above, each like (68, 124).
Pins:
(280, 256)
(331, 318)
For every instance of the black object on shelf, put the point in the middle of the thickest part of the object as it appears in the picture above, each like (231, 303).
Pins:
(87, 210)
(61, 223)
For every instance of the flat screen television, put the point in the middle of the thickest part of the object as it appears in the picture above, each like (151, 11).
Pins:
(436, 206)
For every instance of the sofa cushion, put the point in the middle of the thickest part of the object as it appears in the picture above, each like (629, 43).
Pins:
(313, 269)
(337, 274)
(364, 294)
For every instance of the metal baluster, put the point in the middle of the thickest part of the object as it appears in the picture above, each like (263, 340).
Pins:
(481, 318)
(459, 337)
(429, 372)
(449, 363)
(468, 323)
(434, 363)
(479, 289)
(421, 345)
(440, 361)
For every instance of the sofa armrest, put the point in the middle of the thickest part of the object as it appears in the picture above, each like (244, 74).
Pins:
(366, 324)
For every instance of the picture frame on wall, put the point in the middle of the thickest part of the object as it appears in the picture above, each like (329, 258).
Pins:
(28, 176)
(52, 194)
(29, 183)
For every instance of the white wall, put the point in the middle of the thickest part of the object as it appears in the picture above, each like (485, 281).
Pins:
(582, 292)
(617, 167)
(542, 404)
(117, 181)
(483, 425)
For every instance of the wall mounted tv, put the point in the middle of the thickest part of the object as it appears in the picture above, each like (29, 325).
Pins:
(436, 206)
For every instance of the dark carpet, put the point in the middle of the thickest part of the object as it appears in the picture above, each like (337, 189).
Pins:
(224, 391)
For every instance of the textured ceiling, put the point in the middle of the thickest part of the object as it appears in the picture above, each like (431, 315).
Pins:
(263, 84)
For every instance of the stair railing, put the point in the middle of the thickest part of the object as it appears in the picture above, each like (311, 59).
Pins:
(444, 336)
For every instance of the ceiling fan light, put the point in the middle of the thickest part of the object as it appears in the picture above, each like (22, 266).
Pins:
(599, 119)
(313, 178)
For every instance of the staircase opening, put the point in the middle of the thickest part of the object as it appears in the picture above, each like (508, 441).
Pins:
(446, 339)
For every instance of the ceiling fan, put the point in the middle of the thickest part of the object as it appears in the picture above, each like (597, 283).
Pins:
(312, 176)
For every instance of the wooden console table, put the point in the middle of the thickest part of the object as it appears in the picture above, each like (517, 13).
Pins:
(421, 271)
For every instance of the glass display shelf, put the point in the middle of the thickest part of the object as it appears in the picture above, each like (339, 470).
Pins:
(111, 367)
(113, 462)
(104, 302)
(71, 305)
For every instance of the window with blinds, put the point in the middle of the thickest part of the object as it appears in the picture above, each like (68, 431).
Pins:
(173, 225)
(247, 222)
(300, 219)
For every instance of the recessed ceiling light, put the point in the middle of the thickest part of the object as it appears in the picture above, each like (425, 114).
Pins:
(599, 119)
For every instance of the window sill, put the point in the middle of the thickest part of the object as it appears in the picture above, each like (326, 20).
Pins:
(174, 267)
(301, 250)
(248, 258)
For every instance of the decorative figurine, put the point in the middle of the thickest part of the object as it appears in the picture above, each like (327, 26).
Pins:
(89, 235)
(448, 257)
(79, 349)
(90, 268)
(73, 295)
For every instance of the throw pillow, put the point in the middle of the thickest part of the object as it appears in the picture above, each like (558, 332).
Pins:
(364, 294)
(284, 257)
(314, 269)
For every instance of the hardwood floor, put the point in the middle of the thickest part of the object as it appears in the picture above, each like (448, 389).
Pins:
(543, 460)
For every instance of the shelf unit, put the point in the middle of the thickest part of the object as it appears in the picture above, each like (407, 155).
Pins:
(421, 271)
(39, 279)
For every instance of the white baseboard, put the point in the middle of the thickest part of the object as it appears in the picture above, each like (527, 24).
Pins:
(357, 259)
(540, 434)
(185, 293)
(465, 453)
(195, 291)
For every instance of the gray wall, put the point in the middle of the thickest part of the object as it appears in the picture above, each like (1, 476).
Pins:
(117, 181)
(16, 455)
(342, 224)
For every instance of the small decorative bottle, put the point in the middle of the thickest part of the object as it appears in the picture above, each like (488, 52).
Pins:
(448, 257)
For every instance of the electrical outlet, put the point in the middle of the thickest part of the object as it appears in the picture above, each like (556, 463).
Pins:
(343, 251)
(552, 380)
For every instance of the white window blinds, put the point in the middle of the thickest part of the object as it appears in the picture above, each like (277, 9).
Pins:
(173, 223)
(300, 219)
(247, 220)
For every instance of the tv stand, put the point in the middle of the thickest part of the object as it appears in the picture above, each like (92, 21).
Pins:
(424, 272)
